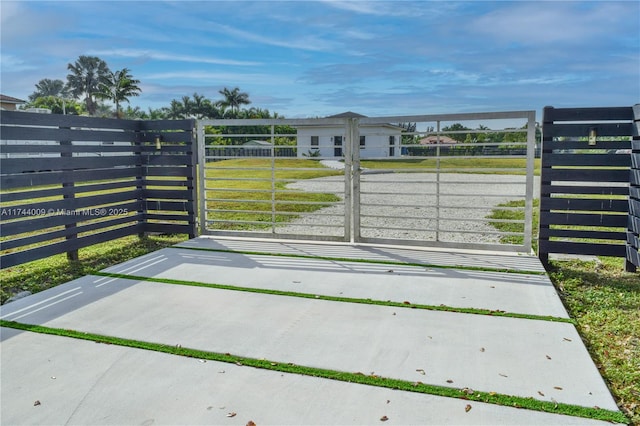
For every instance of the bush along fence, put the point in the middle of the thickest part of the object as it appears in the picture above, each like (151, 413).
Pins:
(633, 235)
(69, 182)
(585, 182)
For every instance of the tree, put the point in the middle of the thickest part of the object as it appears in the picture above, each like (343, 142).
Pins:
(84, 77)
(56, 104)
(233, 99)
(118, 87)
(48, 87)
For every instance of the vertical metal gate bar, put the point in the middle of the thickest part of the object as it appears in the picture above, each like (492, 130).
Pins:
(528, 209)
(438, 182)
(273, 181)
(348, 173)
(353, 232)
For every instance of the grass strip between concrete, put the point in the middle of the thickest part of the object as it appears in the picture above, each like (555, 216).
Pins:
(372, 261)
(404, 304)
(357, 377)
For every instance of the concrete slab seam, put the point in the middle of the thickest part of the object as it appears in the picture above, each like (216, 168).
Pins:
(351, 377)
(349, 259)
(403, 304)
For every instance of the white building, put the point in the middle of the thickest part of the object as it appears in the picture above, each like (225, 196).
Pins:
(376, 140)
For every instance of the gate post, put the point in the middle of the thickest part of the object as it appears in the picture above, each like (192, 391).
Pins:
(352, 229)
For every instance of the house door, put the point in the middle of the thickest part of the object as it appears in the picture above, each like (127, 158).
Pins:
(337, 146)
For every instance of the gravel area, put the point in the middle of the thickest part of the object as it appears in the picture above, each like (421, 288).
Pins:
(403, 205)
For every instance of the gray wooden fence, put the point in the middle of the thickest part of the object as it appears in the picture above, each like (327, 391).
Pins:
(69, 182)
(584, 197)
(633, 235)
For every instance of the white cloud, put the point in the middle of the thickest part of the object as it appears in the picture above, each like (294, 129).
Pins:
(160, 56)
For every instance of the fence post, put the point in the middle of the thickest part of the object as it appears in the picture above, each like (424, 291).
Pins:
(633, 231)
(72, 254)
(543, 238)
(140, 182)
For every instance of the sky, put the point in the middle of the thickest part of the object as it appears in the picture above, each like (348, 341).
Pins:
(318, 58)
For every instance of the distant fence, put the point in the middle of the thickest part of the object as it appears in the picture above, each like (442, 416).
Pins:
(584, 196)
(633, 235)
(69, 182)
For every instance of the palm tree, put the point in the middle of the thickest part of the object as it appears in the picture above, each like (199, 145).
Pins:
(84, 77)
(234, 98)
(118, 87)
(48, 87)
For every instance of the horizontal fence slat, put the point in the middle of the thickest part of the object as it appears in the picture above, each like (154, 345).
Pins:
(163, 205)
(169, 228)
(86, 149)
(71, 204)
(166, 160)
(610, 160)
(27, 180)
(584, 175)
(600, 205)
(549, 145)
(588, 114)
(594, 249)
(53, 134)
(61, 218)
(183, 195)
(16, 258)
(167, 171)
(582, 129)
(58, 120)
(169, 217)
(582, 219)
(62, 233)
(578, 233)
(22, 165)
(67, 190)
(547, 189)
(159, 125)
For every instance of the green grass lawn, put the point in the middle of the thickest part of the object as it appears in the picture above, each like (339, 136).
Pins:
(251, 200)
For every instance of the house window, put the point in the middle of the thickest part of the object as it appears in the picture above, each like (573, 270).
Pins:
(362, 141)
(392, 140)
(392, 147)
(315, 141)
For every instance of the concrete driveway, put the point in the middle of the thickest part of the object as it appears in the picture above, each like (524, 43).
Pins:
(419, 317)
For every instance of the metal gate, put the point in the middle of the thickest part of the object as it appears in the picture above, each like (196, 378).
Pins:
(457, 180)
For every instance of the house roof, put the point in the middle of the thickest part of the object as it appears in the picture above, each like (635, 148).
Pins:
(347, 114)
(10, 100)
(433, 139)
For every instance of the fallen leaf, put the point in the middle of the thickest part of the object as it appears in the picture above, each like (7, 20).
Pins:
(421, 371)
(449, 381)
(35, 404)
(221, 371)
(557, 387)
(388, 401)
(238, 363)
(566, 339)
(390, 270)
(53, 377)
(274, 363)
(548, 357)
(295, 282)
(540, 393)
(467, 408)
(481, 349)
(231, 414)
(394, 313)
(406, 302)
(503, 375)
(468, 391)
(384, 418)
(203, 361)
(251, 423)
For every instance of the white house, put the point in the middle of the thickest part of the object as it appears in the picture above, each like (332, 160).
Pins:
(376, 140)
